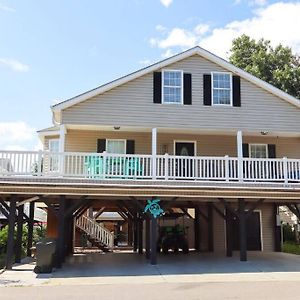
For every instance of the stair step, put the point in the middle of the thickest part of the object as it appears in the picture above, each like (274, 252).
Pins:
(103, 241)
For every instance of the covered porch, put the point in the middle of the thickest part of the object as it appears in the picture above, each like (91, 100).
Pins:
(161, 156)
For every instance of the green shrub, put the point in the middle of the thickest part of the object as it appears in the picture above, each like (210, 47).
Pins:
(291, 247)
(288, 233)
(39, 232)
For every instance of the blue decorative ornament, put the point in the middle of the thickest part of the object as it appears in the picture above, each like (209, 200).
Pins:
(154, 208)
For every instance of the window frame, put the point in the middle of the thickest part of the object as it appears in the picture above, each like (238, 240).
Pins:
(212, 89)
(162, 87)
(185, 141)
(116, 140)
(50, 141)
(260, 144)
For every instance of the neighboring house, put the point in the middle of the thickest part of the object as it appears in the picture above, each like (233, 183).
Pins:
(192, 130)
(40, 215)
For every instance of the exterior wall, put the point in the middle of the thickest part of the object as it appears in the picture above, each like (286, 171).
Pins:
(268, 224)
(131, 104)
(267, 230)
(207, 145)
(46, 141)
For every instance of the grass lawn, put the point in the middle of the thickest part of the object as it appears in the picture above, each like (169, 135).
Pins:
(290, 247)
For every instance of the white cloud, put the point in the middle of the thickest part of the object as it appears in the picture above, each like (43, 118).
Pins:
(166, 3)
(258, 2)
(17, 136)
(145, 62)
(167, 53)
(251, 2)
(160, 28)
(278, 22)
(6, 8)
(14, 65)
(201, 29)
(176, 37)
(55, 101)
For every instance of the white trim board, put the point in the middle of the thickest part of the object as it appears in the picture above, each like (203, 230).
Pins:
(185, 141)
(162, 64)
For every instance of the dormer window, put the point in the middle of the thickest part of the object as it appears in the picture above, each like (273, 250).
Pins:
(221, 88)
(172, 87)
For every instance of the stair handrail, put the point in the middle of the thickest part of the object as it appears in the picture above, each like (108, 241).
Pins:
(96, 230)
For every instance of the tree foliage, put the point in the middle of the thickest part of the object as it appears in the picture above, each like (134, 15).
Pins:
(275, 65)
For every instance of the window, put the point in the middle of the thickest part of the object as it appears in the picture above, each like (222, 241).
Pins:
(258, 150)
(54, 158)
(116, 146)
(172, 87)
(221, 89)
(54, 145)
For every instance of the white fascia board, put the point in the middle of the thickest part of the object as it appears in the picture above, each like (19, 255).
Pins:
(43, 134)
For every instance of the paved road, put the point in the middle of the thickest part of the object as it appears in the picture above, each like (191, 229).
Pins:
(166, 291)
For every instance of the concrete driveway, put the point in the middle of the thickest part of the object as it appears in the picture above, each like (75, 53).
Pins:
(130, 268)
(129, 264)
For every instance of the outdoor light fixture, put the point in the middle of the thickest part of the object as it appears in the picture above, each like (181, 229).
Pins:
(117, 127)
(264, 132)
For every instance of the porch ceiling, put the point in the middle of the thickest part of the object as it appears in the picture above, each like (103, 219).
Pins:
(221, 131)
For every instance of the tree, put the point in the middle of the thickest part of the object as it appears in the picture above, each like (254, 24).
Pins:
(275, 65)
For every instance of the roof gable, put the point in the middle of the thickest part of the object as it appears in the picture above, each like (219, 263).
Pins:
(164, 63)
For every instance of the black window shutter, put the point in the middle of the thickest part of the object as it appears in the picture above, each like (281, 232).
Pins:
(157, 87)
(187, 89)
(236, 86)
(207, 89)
(245, 150)
(130, 146)
(101, 144)
(272, 151)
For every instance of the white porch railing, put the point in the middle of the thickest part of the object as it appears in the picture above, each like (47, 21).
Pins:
(167, 167)
(96, 231)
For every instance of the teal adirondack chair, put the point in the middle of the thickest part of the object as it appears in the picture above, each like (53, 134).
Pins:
(95, 166)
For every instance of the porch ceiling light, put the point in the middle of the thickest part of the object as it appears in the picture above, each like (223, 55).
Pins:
(264, 132)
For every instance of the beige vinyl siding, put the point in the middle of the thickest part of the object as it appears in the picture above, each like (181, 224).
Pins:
(86, 141)
(219, 230)
(131, 104)
(268, 223)
(46, 141)
(207, 145)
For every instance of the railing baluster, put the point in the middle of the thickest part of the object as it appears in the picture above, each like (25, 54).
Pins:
(132, 166)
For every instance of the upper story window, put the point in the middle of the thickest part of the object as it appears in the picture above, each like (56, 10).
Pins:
(54, 145)
(221, 88)
(258, 150)
(172, 87)
(116, 146)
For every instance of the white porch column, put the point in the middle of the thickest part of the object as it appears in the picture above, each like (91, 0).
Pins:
(61, 158)
(62, 133)
(239, 139)
(154, 151)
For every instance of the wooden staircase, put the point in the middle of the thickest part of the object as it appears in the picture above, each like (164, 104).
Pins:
(97, 234)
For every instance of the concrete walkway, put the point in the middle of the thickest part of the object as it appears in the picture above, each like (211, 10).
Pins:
(129, 268)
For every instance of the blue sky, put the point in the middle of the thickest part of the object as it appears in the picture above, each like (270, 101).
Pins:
(53, 50)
